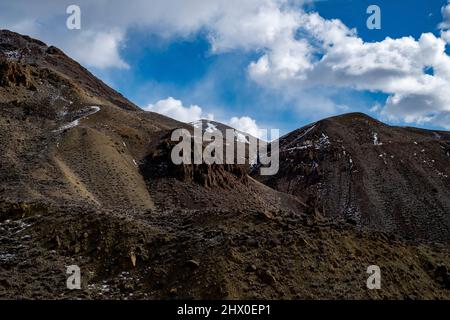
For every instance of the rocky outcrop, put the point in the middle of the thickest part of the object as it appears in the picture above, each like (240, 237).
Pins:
(14, 74)
(160, 164)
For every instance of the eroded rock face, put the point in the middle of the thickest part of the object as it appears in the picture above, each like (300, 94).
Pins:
(14, 74)
(211, 175)
(160, 164)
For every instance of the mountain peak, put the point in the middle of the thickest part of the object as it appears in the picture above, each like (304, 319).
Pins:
(49, 69)
(367, 172)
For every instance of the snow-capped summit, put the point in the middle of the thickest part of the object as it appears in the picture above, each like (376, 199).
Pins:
(211, 126)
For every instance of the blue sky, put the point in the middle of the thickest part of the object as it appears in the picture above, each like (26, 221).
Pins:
(199, 61)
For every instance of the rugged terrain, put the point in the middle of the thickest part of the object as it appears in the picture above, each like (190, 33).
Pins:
(87, 179)
(393, 179)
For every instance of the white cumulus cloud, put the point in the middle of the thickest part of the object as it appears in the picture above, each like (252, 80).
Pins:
(300, 54)
(247, 125)
(415, 73)
(98, 49)
(446, 15)
(445, 35)
(175, 109)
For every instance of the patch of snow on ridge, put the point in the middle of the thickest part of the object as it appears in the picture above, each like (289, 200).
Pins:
(76, 122)
(197, 124)
(306, 131)
(211, 127)
(294, 142)
(306, 146)
(323, 141)
(240, 137)
(94, 109)
(12, 55)
(69, 125)
(376, 141)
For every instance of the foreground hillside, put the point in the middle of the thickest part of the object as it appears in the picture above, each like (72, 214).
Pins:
(209, 254)
(87, 180)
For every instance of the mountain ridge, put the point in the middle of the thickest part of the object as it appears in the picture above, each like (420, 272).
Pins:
(347, 162)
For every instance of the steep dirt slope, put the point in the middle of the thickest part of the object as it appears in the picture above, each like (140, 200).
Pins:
(392, 179)
(66, 136)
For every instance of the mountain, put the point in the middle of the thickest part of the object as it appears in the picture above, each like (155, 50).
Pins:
(212, 126)
(87, 179)
(66, 136)
(70, 138)
(394, 179)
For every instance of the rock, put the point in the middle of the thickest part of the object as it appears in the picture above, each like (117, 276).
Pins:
(58, 241)
(193, 263)
(252, 243)
(274, 242)
(266, 214)
(173, 291)
(303, 242)
(133, 259)
(267, 277)
(251, 268)
(443, 275)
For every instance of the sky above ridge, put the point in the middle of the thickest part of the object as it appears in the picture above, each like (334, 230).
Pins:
(258, 64)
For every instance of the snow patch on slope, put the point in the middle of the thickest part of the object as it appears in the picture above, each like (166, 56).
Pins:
(197, 124)
(211, 127)
(12, 55)
(240, 137)
(376, 141)
(76, 122)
